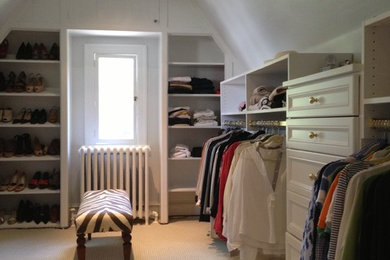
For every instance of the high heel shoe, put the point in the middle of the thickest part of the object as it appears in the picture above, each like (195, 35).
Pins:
(21, 185)
(13, 181)
(19, 117)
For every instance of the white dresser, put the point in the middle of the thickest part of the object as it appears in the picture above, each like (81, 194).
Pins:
(322, 126)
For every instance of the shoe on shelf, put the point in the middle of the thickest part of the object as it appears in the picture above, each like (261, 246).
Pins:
(54, 180)
(39, 85)
(43, 53)
(9, 148)
(45, 213)
(12, 217)
(26, 117)
(29, 211)
(53, 115)
(4, 183)
(37, 213)
(34, 116)
(14, 180)
(31, 82)
(2, 81)
(28, 52)
(43, 182)
(3, 49)
(34, 181)
(54, 213)
(54, 147)
(20, 84)
(19, 145)
(27, 145)
(42, 116)
(20, 212)
(10, 85)
(2, 216)
(37, 147)
(35, 52)
(19, 117)
(22, 182)
(21, 53)
(7, 115)
(54, 53)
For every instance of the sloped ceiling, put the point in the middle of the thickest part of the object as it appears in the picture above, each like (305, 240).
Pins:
(6, 9)
(257, 29)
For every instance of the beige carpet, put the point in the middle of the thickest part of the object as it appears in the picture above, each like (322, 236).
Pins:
(186, 239)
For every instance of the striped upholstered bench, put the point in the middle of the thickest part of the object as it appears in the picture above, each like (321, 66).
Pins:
(103, 211)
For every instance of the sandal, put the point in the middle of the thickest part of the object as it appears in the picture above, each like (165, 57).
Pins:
(39, 87)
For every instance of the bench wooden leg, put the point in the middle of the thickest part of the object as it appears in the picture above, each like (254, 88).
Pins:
(126, 245)
(81, 246)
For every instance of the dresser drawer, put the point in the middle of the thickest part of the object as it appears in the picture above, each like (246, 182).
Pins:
(324, 98)
(293, 247)
(302, 168)
(297, 207)
(338, 136)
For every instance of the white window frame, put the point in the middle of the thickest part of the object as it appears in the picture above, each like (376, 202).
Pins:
(91, 54)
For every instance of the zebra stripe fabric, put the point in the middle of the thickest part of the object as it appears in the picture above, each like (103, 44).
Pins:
(104, 210)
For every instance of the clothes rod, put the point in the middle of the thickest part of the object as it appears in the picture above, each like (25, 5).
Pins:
(379, 123)
(267, 123)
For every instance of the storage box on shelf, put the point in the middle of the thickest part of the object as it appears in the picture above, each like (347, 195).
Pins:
(194, 56)
(322, 126)
(25, 100)
(376, 91)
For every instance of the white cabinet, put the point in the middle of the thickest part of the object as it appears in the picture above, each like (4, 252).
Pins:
(45, 132)
(195, 56)
(322, 126)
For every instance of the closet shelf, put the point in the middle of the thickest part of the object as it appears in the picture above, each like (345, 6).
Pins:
(30, 61)
(378, 100)
(266, 111)
(30, 158)
(185, 159)
(195, 95)
(182, 190)
(194, 127)
(200, 64)
(30, 192)
(45, 125)
(32, 224)
(47, 93)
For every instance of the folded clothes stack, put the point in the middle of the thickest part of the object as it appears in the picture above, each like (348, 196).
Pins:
(179, 116)
(205, 118)
(180, 151)
(179, 85)
(262, 98)
(186, 84)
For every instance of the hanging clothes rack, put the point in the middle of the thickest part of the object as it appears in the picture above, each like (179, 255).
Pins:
(267, 123)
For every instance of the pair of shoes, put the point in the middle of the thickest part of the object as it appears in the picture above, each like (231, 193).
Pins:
(20, 83)
(34, 181)
(6, 115)
(25, 211)
(17, 182)
(23, 145)
(12, 217)
(38, 116)
(41, 213)
(54, 147)
(35, 83)
(3, 49)
(39, 52)
(38, 148)
(53, 116)
(24, 52)
(10, 85)
(54, 53)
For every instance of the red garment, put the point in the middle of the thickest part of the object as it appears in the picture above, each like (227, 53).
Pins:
(226, 162)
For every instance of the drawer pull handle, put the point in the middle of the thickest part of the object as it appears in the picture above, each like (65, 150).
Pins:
(314, 100)
(312, 177)
(312, 135)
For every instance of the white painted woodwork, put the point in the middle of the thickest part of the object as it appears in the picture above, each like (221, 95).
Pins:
(293, 247)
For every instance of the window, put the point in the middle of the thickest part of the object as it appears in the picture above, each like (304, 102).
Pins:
(115, 92)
